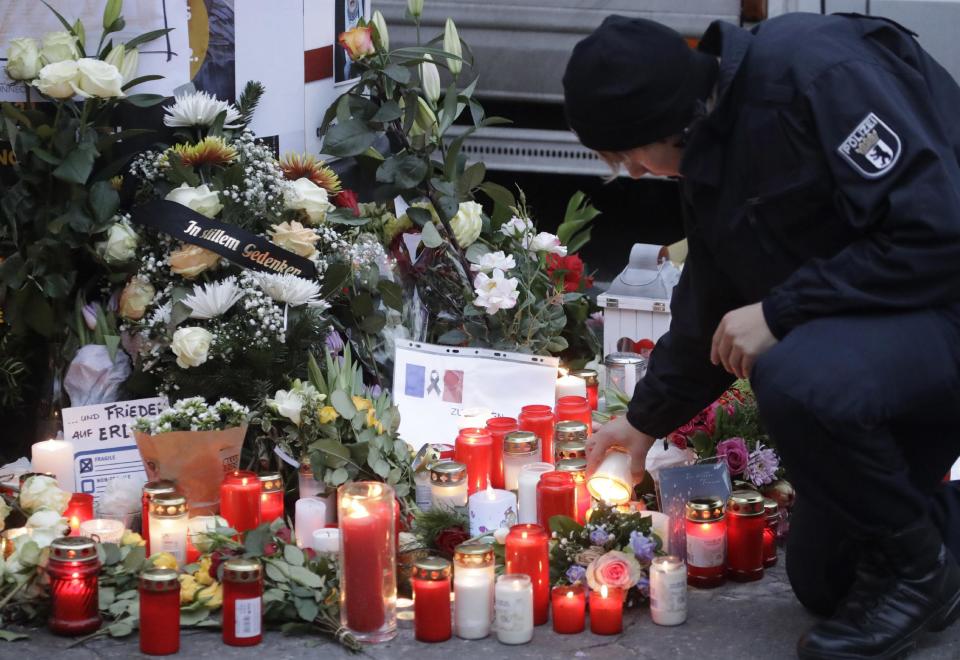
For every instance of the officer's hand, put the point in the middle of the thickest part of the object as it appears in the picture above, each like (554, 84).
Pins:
(619, 433)
(741, 338)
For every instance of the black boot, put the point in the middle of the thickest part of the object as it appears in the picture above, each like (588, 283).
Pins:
(892, 603)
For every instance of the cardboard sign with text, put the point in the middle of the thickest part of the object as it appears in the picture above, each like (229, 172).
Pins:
(432, 385)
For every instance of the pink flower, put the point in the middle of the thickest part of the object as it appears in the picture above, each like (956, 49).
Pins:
(734, 453)
(615, 570)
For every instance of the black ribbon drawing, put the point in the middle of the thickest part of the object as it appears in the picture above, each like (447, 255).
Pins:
(434, 382)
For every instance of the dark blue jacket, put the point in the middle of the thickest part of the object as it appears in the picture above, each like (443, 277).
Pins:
(825, 182)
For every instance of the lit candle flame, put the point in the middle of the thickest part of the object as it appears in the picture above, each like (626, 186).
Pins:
(603, 591)
(563, 371)
(569, 594)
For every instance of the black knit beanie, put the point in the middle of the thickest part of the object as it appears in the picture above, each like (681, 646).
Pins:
(633, 82)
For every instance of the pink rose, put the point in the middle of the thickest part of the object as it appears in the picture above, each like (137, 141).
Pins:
(615, 570)
(734, 453)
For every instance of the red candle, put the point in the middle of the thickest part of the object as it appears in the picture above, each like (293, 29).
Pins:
(271, 497)
(569, 605)
(240, 500)
(772, 513)
(556, 496)
(528, 552)
(499, 427)
(150, 489)
(606, 611)
(745, 525)
(577, 468)
(575, 408)
(592, 379)
(73, 569)
(79, 509)
(242, 602)
(706, 542)
(160, 612)
(539, 420)
(431, 600)
(474, 448)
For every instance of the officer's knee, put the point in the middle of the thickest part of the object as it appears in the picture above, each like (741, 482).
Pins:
(773, 381)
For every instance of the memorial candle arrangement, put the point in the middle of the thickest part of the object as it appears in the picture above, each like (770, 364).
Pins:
(73, 569)
(612, 483)
(473, 588)
(556, 496)
(448, 484)
(570, 385)
(514, 609)
(310, 514)
(592, 379)
(271, 497)
(520, 448)
(706, 532)
(474, 448)
(79, 509)
(746, 521)
(539, 420)
(527, 490)
(103, 530)
(431, 600)
(575, 408)
(169, 525)
(368, 583)
(499, 427)
(668, 591)
(772, 514)
(528, 552)
(606, 611)
(54, 457)
(160, 612)
(150, 489)
(242, 602)
(570, 439)
(240, 500)
(577, 468)
(491, 510)
(569, 604)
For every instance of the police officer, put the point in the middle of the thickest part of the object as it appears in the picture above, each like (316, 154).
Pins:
(818, 161)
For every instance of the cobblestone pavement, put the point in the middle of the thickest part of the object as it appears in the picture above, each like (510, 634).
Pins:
(759, 621)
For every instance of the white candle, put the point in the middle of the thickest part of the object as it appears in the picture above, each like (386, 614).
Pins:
(310, 515)
(612, 483)
(169, 535)
(448, 484)
(668, 591)
(492, 509)
(514, 607)
(327, 541)
(660, 525)
(107, 531)
(527, 488)
(55, 457)
(571, 386)
(473, 585)
(474, 418)
(520, 448)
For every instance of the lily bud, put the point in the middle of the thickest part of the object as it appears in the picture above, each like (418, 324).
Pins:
(131, 61)
(451, 44)
(415, 7)
(430, 79)
(115, 57)
(380, 28)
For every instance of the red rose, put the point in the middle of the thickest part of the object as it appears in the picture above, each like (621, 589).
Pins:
(448, 540)
(270, 549)
(347, 199)
(568, 271)
(310, 554)
(284, 534)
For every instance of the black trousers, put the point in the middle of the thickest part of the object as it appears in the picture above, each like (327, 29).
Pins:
(865, 413)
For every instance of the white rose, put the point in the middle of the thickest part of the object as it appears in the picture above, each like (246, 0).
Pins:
(42, 493)
(23, 59)
(288, 404)
(58, 80)
(201, 199)
(121, 244)
(98, 78)
(545, 242)
(59, 46)
(294, 237)
(46, 526)
(4, 512)
(516, 227)
(495, 292)
(491, 260)
(191, 346)
(304, 195)
(467, 223)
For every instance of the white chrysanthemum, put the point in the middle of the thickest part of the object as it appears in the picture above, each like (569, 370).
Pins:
(289, 289)
(208, 301)
(161, 315)
(200, 109)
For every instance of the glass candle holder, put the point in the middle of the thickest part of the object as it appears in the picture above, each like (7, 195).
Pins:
(307, 484)
(169, 525)
(242, 602)
(473, 582)
(310, 514)
(368, 580)
(772, 515)
(746, 521)
(606, 611)
(592, 378)
(527, 490)
(556, 496)
(499, 427)
(668, 591)
(577, 468)
(528, 552)
(474, 448)
(539, 420)
(569, 604)
(150, 489)
(514, 609)
(491, 510)
(706, 532)
(570, 440)
(240, 500)
(327, 542)
(79, 509)
(102, 530)
(448, 484)
(73, 569)
(160, 612)
(612, 483)
(271, 497)
(520, 448)
(431, 600)
(577, 409)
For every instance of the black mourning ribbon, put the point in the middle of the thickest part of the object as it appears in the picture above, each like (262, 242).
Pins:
(434, 382)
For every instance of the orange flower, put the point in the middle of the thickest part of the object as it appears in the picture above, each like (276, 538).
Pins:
(209, 151)
(191, 260)
(358, 42)
(297, 166)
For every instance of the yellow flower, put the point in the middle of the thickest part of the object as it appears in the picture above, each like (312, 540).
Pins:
(211, 596)
(372, 421)
(164, 560)
(361, 403)
(188, 589)
(203, 573)
(299, 166)
(209, 151)
(132, 538)
(327, 414)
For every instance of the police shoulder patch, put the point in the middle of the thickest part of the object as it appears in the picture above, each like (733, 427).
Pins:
(872, 149)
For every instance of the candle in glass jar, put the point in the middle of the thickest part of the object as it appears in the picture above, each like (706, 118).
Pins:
(570, 385)
(242, 602)
(592, 379)
(473, 583)
(499, 427)
(575, 408)
(73, 569)
(577, 468)
(606, 611)
(772, 515)
(539, 420)
(660, 525)
(271, 497)
(327, 541)
(514, 609)
(569, 604)
(474, 448)
(169, 526)
(310, 515)
(240, 500)
(706, 532)
(570, 439)
(160, 612)
(527, 490)
(745, 525)
(431, 600)
(474, 418)
(150, 489)
(527, 551)
(668, 591)
(448, 484)
(79, 509)
(520, 448)
(556, 496)
(103, 530)
(612, 483)
(490, 510)
(55, 457)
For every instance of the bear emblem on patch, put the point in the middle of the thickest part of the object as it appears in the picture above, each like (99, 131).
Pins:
(872, 148)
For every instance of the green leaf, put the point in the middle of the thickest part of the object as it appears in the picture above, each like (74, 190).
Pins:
(471, 178)
(339, 476)
(77, 165)
(421, 217)
(500, 195)
(404, 171)
(293, 555)
(373, 324)
(193, 617)
(121, 628)
(8, 636)
(391, 293)
(476, 251)
(342, 403)
(348, 138)
(455, 337)
(256, 539)
(400, 74)
(145, 100)
(275, 573)
(361, 304)
(307, 608)
(430, 236)
(140, 80)
(133, 562)
(305, 577)
(146, 37)
(564, 525)
(111, 12)
(104, 201)
(334, 279)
